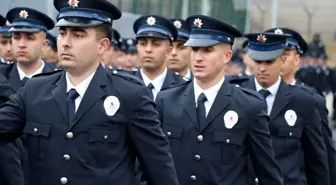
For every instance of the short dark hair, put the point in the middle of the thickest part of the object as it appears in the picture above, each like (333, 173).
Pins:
(104, 31)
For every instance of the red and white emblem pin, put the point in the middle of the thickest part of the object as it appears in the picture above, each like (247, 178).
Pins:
(23, 14)
(73, 3)
(261, 38)
(230, 119)
(151, 21)
(278, 31)
(198, 23)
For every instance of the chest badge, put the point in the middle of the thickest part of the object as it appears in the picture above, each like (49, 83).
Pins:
(290, 117)
(111, 105)
(230, 119)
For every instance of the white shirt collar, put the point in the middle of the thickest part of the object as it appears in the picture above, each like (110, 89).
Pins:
(157, 82)
(80, 88)
(248, 73)
(210, 93)
(293, 82)
(22, 74)
(273, 89)
(187, 77)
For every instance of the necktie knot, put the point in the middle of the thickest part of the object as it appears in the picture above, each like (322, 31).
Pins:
(24, 80)
(201, 98)
(150, 86)
(264, 92)
(72, 94)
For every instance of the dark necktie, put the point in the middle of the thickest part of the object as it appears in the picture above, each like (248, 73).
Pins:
(150, 86)
(264, 93)
(201, 114)
(24, 80)
(71, 97)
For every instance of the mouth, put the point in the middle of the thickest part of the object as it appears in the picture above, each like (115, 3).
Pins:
(22, 53)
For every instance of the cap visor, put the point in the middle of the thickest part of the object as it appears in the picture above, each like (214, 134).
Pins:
(66, 23)
(201, 43)
(26, 30)
(152, 35)
(264, 55)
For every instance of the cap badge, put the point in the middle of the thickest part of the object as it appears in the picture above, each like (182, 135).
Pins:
(278, 31)
(129, 42)
(23, 14)
(8, 23)
(261, 38)
(73, 3)
(198, 23)
(177, 24)
(151, 21)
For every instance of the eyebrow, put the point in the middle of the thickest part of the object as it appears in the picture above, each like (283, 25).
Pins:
(73, 29)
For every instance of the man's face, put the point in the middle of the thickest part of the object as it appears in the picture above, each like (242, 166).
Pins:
(80, 49)
(292, 63)
(132, 60)
(27, 47)
(121, 58)
(153, 52)
(49, 54)
(179, 58)
(208, 63)
(268, 72)
(6, 49)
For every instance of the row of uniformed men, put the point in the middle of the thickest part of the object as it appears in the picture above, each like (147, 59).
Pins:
(87, 124)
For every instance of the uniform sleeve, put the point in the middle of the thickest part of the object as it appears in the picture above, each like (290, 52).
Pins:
(151, 145)
(315, 152)
(12, 119)
(259, 145)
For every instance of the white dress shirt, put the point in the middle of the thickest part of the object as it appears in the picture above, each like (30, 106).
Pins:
(270, 98)
(293, 82)
(210, 94)
(80, 88)
(157, 82)
(23, 74)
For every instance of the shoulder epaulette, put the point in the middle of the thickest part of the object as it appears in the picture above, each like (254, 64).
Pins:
(47, 73)
(126, 75)
(252, 92)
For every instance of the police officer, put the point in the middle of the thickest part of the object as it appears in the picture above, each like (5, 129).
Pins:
(11, 172)
(86, 125)
(29, 29)
(295, 123)
(155, 35)
(296, 46)
(49, 51)
(131, 62)
(213, 125)
(6, 55)
(179, 58)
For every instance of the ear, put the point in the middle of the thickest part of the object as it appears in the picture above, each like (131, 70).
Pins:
(227, 56)
(104, 45)
(45, 44)
(169, 48)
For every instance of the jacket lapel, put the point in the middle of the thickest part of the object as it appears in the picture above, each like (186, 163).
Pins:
(222, 100)
(281, 99)
(93, 94)
(59, 94)
(187, 101)
(14, 78)
(138, 74)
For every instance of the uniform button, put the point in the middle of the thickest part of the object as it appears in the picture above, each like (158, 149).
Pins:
(69, 135)
(64, 180)
(200, 138)
(66, 157)
(290, 134)
(256, 180)
(169, 133)
(106, 137)
(197, 157)
(193, 178)
(115, 71)
(35, 130)
(228, 141)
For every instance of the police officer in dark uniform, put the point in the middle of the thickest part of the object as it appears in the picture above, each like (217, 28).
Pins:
(86, 125)
(215, 125)
(296, 46)
(131, 62)
(295, 123)
(6, 55)
(29, 29)
(179, 58)
(49, 51)
(11, 172)
(155, 35)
